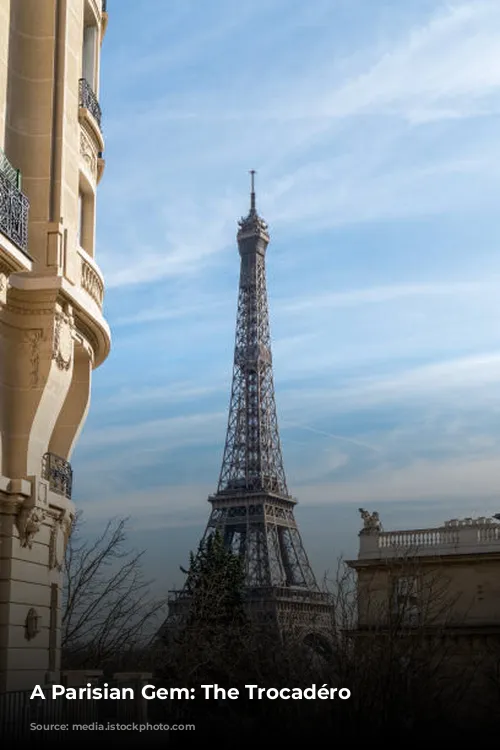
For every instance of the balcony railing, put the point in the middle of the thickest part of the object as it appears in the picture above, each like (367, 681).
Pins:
(14, 208)
(91, 283)
(6, 168)
(58, 473)
(88, 100)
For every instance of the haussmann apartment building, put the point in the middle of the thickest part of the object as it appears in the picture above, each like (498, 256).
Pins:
(52, 329)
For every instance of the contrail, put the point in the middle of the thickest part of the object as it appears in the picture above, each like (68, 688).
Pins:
(342, 438)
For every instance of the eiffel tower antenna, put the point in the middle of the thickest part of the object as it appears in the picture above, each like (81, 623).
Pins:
(252, 507)
(252, 189)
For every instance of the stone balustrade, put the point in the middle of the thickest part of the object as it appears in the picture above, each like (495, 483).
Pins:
(455, 537)
(92, 283)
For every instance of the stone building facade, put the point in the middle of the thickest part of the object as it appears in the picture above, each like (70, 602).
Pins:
(446, 576)
(52, 329)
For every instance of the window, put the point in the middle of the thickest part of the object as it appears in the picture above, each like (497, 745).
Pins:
(86, 210)
(89, 53)
(405, 602)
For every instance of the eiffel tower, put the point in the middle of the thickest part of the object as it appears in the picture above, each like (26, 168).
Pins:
(252, 507)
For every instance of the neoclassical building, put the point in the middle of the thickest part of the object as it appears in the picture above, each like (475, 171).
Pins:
(52, 329)
(436, 589)
(445, 578)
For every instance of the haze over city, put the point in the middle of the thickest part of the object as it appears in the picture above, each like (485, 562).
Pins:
(373, 130)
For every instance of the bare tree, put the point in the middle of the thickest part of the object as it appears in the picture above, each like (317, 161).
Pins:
(489, 679)
(396, 654)
(395, 647)
(108, 609)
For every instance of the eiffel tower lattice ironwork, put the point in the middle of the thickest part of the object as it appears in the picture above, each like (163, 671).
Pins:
(252, 507)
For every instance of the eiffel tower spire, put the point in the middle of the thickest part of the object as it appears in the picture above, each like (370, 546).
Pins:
(252, 507)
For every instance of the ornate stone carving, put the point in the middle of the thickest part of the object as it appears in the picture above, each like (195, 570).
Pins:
(59, 540)
(33, 338)
(63, 341)
(55, 553)
(32, 624)
(29, 522)
(371, 522)
(88, 153)
(67, 528)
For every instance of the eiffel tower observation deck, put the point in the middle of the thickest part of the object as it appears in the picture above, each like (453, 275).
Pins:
(252, 508)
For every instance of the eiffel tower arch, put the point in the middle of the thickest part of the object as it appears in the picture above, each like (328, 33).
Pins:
(252, 508)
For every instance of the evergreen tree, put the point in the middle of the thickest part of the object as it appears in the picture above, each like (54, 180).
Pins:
(215, 583)
(213, 642)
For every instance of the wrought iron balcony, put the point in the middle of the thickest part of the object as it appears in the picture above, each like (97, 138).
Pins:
(88, 100)
(14, 206)
(58, 473)
(6, 168)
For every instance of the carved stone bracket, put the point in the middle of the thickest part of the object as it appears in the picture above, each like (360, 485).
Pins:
(63, 341)
(29, 522)
(33, 338)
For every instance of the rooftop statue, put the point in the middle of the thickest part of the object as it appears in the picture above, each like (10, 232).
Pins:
(371, 522)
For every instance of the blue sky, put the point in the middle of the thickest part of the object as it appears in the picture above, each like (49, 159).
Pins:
(373, 127)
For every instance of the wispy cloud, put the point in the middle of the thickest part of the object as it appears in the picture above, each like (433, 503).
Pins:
(173, 432)
(176, 393)
(421, 480)
(188, 240)
(445, 67)
(166, 506)
(376, 295)
(347, 191)
(167, 312)
(210, 308)
(462, 381)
